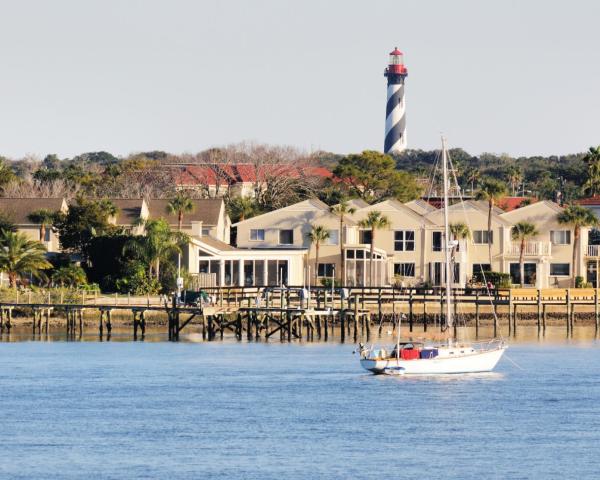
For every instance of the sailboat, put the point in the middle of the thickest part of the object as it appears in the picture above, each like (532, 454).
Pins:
(435, 358)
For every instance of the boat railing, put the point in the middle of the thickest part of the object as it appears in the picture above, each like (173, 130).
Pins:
(492, 344)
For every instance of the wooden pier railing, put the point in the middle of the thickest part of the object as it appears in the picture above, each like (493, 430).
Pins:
(294, 309)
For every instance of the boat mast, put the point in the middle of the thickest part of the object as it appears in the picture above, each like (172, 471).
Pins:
(449, 319)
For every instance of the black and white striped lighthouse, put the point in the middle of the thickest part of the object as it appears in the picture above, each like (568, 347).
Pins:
(395, 110)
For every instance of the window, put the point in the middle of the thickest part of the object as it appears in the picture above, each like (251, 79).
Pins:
(404, 240)
(560, 269)
(530, 273)
(257, 235)
(365, 236)
(205, 232)
(456, 273)
(560, 237)
(404, 269)
(436, 241)
(334, 237)
(286, 237)
(47, 235)
(479, 268)
(326, 269)
(480, 237)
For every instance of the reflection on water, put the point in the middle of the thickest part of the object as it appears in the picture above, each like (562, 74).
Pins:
(582, 334)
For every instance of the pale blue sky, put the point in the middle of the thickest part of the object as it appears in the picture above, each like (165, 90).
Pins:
(500, 76)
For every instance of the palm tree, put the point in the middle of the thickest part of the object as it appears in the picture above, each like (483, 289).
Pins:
(521, 232)
(473, 176)
(317, 235)
(108, 207)
(70, 275)
(45, 218)
(341, 210)
(158, 245)
(242, 208)
(514, 176)
(374, 221)
(178, 205)
(591, 185)
(491, 190)
(577, 217)
(459, 231)
(19, 256)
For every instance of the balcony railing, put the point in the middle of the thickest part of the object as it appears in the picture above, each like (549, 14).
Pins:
(593, 251)
(532, 249)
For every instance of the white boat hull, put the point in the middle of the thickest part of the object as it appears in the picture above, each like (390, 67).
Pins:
(469, 363)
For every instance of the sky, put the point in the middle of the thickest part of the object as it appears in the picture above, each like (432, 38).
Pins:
(502, 76)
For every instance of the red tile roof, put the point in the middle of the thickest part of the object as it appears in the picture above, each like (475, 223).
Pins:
(595, 200)
(511, 203)
(208, 174)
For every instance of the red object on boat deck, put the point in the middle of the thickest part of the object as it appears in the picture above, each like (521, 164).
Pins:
(409, 354)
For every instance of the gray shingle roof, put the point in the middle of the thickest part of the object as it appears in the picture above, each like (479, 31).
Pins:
(17, 209)
(206, 211)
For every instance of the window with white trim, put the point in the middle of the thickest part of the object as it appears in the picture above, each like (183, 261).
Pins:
(286, 237)
(404, 269)
(326, 269)
(483, 237)
(404, 240)
(257, 234)
(560, 269)
(560, 237)
(334, 238)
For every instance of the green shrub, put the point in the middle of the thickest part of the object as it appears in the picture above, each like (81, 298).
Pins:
(326, 282)
(498, 279)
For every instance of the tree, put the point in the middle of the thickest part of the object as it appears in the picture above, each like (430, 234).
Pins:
(84, 220)
(6, 173)
(45, 218)
(70, 276)
(242, 208)
(158, 245)
(473, 175)
(576, 217)
(514, 175)
(317, 235)
(341, 210)
(20, 256)
(180, 204)
(521, 232)
(6, 224)
(373, 177)
(374, 221)
(459, 231)
(491, 191)
(591, 185)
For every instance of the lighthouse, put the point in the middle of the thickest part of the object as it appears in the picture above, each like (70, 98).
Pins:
(395, 110)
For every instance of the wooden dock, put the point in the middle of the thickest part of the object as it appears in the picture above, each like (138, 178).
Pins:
(259, 312)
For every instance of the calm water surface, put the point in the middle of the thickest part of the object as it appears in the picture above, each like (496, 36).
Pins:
(80, 410)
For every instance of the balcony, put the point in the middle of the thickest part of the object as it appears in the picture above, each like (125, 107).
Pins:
(532, 249)
(592, 251)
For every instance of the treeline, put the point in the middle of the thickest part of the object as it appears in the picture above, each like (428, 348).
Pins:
(369, 175)
(536, 176)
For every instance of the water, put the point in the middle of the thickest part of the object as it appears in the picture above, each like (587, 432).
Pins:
(223, 410)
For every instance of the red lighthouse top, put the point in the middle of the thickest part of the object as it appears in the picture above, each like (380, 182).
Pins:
(396, 64)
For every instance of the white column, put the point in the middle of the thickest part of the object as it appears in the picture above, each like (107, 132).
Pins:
(241, 272)
(540, 274)
(265, 266)
(221, 272)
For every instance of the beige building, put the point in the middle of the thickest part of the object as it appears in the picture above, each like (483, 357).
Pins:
(17, 210)
(411, 250)
(548, 256)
